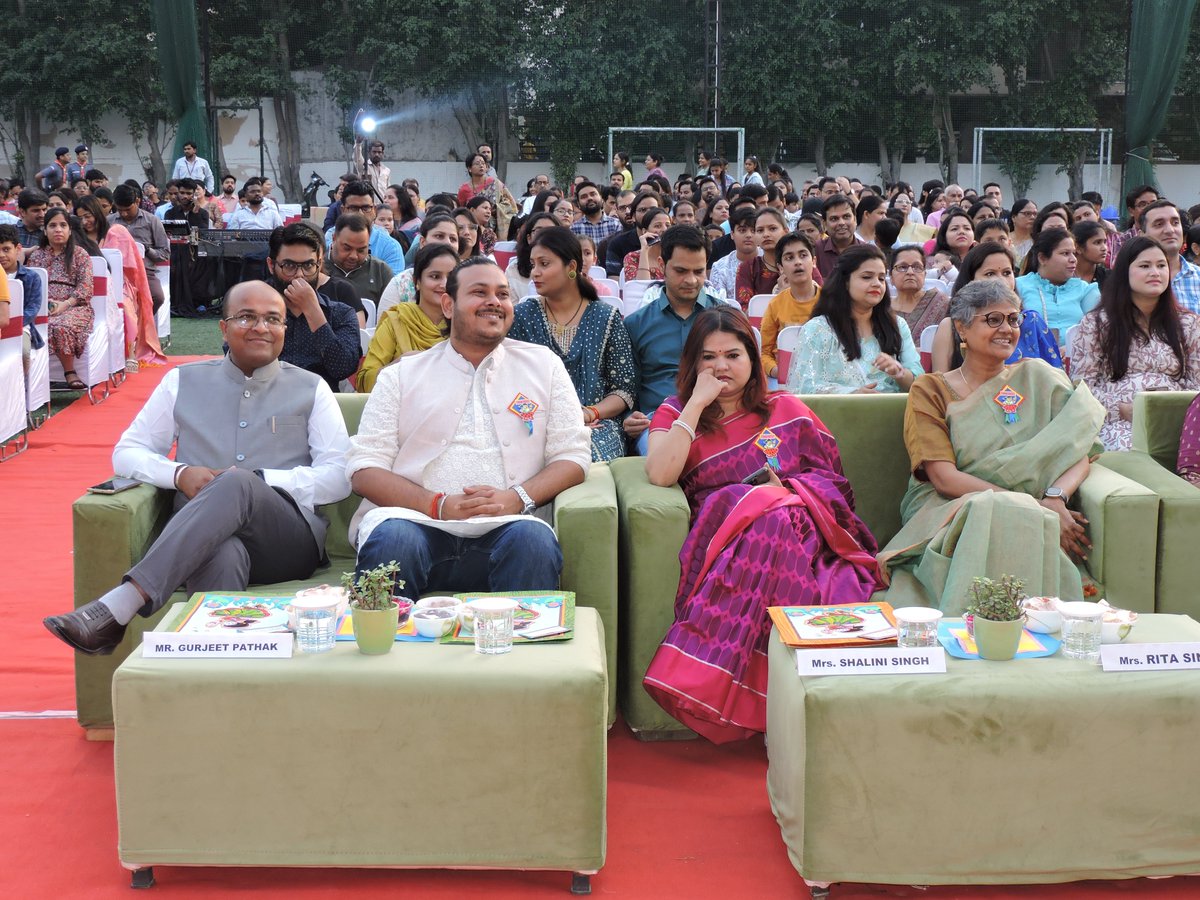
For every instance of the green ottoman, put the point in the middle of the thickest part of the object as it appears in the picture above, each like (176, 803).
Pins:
(431, 756)
(1033, 771)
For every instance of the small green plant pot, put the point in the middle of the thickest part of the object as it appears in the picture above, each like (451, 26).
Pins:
(375, 629)
(997, 640)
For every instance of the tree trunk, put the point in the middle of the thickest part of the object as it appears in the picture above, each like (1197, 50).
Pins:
(505, 146)
(897, 162)
(1075, 175)
(29, 140)
(885, 160)
(286, 114)
(158, 166)
(819, 162)
(951, 140)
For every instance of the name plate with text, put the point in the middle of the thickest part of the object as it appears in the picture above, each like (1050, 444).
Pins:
(1150, 657)
(871, 661)
(171, 645)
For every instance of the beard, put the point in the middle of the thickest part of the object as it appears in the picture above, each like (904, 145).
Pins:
(590, 209)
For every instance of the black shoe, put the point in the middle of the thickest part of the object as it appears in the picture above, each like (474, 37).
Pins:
(91, 629)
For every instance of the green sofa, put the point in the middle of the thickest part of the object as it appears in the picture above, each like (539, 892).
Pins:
(112, 532)
(1157, 424)
(869, 432)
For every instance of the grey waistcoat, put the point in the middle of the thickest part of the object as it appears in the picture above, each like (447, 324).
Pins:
(226, 419)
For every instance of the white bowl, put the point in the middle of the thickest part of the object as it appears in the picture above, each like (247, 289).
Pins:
(438, 603)
(1043, 621)
(433, 622)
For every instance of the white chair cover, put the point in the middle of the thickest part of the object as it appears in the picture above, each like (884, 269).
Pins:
(116, 315)
(92, 367)
(12, 378)
(785, 346)
(369, 306)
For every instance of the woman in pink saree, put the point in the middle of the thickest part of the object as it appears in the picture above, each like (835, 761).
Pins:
(792, 540)
(141, 333)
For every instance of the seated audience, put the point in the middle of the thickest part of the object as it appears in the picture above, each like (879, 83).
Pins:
(1162, 221)
(1051, 288)
(1138, 339)
(69, 271)
(10, 262)
(993, 261)
(483, 211)
(256, 212)
(628, 240)
(437, 228)
(140, 338)
(919, 307)
(1091, 241)
(997, 452)
(955, 236)
(31, 206)
(412, 327)
(855, 343)
(146, 229)
(792, 540)
(645, 263)
(795, 255)
(246, 497)
(404, 209)
(458, 495)
(759, 274)
(723, 275)
(567, 317)
(321, 335)
(520, 265)
(358, 198)
(588, 248)
(350, 258)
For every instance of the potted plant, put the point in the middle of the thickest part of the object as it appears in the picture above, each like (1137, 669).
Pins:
(999, 617)
(375, 610)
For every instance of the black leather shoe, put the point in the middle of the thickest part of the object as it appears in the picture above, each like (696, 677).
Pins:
(91, 629)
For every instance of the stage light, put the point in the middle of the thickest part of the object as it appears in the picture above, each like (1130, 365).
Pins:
(368, 125)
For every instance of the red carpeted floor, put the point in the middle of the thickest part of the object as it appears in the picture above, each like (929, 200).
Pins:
(685, 819)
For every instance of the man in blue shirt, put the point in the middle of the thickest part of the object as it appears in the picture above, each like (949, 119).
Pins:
(357, 197)
(1162, 221)
(10, 263)
(659, 329)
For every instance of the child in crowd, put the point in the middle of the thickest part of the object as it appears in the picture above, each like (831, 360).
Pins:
(10, 262)
(794, 304)
(589, 260)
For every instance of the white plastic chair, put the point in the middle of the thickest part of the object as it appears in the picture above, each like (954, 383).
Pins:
(633, 296)
(92, 367)
(926, 347)
(116, 317)
(504, 251)
(1068, 347)
(785, 346)
(612, 286)
(597, 273)
(614, 302)
(14, 434)
(758, 308)
(757, 337)
(364, 339)
(37, 379)
(369, 306)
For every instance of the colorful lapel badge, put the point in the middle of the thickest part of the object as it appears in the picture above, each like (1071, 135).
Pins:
(523, 407)
(768, 443)
(1008, 400)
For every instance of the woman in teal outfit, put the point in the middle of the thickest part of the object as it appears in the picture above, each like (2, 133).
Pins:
(855, 343)
(568, 317)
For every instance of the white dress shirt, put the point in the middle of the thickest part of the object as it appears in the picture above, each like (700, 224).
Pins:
(141, 452)
(245, 217)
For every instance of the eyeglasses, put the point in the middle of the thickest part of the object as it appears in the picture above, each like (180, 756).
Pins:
(995, 319)
(290, 267)
(905, 267)
(246, 321)
(358, 209)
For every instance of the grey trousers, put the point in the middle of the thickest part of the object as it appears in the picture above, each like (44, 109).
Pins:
(236, 532)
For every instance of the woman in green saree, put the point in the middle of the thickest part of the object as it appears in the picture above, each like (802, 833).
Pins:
(997, 451)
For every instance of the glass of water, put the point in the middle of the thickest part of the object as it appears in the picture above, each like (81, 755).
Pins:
(916, 627)
(493, 624)
(1081, 623)
(313, 617)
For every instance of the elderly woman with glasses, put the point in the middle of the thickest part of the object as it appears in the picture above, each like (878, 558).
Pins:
(997, 452)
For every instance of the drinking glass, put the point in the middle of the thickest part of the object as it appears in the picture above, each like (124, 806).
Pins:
(315, 628)
(1081, 623)
(493, 624)
(916, 627)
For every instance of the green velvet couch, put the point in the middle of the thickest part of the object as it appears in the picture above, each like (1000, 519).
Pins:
(1157, 424)
(113, 532)
(869, 432)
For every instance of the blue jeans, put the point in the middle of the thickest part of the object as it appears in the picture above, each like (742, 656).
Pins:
(517, 556)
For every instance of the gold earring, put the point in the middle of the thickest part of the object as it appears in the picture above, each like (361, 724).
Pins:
(571, 274)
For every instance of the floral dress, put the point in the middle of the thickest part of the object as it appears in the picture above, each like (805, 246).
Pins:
(1152, 367)
(69, 329)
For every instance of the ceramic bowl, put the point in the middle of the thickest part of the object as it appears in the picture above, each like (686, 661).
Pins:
(433, 622)
(1114, 632)
(1043, 621)
(438, 603)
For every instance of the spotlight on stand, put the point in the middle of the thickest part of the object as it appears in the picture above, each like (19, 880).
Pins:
(368, 125)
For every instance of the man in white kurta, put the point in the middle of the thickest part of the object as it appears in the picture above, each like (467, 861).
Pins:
(462, 448)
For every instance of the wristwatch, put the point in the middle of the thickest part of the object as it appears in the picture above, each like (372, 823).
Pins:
(530, 506)
(1055, 493)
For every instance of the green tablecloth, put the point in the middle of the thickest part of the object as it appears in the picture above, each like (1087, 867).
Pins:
(430, 755)
(1030, 771)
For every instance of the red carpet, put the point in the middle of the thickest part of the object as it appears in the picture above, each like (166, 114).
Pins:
(685, 820)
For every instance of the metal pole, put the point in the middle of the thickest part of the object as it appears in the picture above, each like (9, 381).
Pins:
(610, 146)
(717, 76)
(262, 147)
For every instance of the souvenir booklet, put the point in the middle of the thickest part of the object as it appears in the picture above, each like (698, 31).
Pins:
(840, 625)
(537, 611)
(217, 613)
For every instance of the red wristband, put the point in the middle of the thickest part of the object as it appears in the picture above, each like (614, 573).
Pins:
(435, 505)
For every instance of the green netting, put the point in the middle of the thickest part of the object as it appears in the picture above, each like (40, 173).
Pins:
(179, 56)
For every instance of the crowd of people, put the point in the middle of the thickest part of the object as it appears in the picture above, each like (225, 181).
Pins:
(496, 377)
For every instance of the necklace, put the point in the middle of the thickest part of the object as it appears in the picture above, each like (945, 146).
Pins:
(554, 318)
(963, 378)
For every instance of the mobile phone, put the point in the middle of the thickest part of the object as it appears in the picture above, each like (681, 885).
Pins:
(113, 486)
(758, 476)
(651, 240)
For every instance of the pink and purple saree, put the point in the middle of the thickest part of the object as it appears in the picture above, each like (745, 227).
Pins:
(749, 548)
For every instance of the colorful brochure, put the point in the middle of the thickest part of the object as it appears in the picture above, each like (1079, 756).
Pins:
(223, 613)
(837, 625)
(538, 611)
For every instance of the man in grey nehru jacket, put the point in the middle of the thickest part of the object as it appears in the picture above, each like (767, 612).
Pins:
(260, 444)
